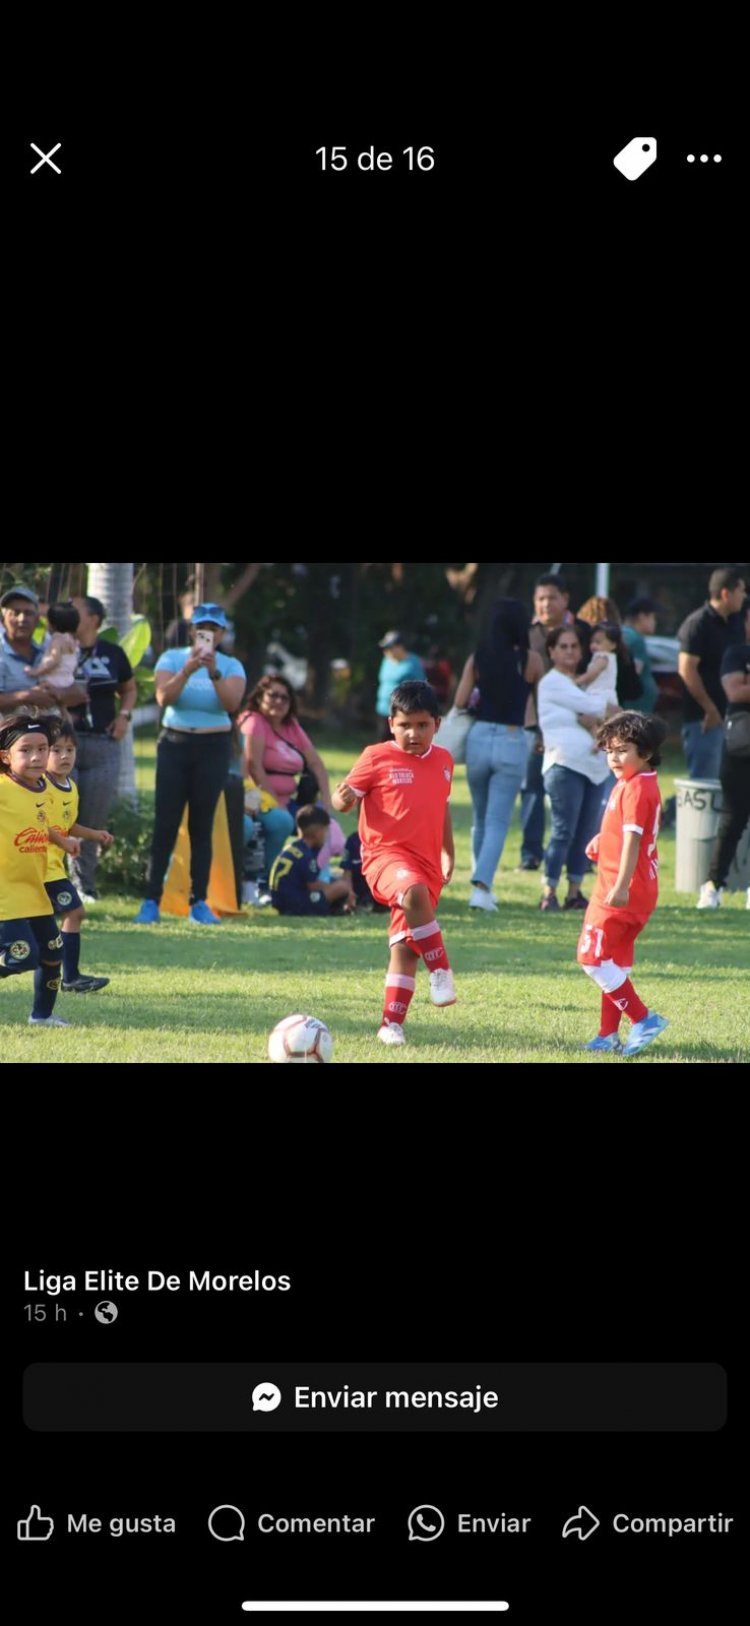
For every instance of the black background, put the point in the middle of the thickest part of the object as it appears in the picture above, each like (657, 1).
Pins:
(521, 326)
(411, 1243)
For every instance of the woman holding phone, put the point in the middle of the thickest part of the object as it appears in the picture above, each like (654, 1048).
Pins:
(200, 688)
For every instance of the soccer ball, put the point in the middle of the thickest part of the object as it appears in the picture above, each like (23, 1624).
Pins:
(300, 1038)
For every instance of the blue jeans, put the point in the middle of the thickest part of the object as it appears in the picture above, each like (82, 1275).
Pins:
(702, 751)
(277, 825)
(532, 801)
(495, 762)
(576, 812)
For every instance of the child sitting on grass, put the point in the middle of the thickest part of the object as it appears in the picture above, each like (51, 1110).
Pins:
(296, 887)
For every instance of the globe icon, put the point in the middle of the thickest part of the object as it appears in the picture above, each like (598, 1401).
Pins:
(106, 1311)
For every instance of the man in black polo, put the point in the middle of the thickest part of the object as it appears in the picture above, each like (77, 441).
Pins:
(704, 637)
(99, 725)
(19, 614)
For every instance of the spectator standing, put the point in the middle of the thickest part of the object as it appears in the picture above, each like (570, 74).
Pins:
(20, 657)
(705, 636)
(201, 689)
(551, 610)
(100, 725)
(504, 668)
(640, 624)
(399, 665)
(735, 768)
(573, 776)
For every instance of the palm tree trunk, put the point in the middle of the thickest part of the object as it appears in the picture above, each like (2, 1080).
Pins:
(113, 584)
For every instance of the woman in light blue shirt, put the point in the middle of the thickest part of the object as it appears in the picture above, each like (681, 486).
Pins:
(200, 689)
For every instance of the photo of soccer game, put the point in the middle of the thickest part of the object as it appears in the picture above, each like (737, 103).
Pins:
(320, 814)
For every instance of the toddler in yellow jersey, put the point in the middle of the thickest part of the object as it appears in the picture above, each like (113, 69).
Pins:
(59, 887)
(29, 939)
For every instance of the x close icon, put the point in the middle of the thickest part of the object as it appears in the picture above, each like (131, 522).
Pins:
(45, 158)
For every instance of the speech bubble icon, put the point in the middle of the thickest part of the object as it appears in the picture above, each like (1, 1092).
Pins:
(426, 1523)
(236, 1526)
(266, 1397)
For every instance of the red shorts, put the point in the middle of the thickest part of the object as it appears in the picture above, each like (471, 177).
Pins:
(389, 884)
(609, 934)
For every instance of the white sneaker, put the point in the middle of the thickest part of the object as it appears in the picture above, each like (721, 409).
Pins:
(391, 1033)
(482, 900)
(48, 1022)
(442, 988)
(709, 898)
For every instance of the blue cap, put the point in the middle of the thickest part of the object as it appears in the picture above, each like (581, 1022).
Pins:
(209, 612)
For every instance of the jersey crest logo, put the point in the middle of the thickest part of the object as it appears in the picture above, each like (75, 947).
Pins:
(64, 898)
(20, 950)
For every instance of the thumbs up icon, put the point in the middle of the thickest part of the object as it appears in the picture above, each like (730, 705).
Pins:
(35, 1528)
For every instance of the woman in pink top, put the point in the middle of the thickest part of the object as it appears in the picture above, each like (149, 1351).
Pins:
(275, 750)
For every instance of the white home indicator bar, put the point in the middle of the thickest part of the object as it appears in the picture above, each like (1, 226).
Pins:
(379, 1608)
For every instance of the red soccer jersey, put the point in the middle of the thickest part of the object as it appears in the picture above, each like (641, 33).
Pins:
(634, 804)
(403, 806)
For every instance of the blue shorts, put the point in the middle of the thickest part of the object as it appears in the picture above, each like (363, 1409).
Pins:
(25, 944)
(314, 903)
(62, 895)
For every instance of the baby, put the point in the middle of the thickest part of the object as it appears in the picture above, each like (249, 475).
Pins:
(60, 659)
(601, 673)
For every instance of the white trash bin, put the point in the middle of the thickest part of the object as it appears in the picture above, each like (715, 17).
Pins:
(698, 811)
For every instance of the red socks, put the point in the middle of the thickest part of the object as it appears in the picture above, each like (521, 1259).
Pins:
(399, 992)
(610, 1020)
(626, 1000)
(428, 942)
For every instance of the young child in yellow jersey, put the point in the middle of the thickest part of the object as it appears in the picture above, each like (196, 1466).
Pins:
(60, 889)
(29, 939)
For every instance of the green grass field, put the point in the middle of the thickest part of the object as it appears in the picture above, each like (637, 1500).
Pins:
(181, 993)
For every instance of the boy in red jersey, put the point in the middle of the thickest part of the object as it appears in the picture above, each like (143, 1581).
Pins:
(626, 889)
(407, 845)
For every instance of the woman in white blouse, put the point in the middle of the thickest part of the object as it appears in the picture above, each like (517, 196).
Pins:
(573, 773)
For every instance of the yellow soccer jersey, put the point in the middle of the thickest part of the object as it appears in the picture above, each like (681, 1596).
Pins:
(24, 822)
(63, 812)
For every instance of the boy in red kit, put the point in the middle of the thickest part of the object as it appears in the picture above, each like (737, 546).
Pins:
(626, 887)
(407, 845)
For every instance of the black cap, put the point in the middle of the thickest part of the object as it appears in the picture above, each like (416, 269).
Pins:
(390, 639)
(642, 606)
(18, 592)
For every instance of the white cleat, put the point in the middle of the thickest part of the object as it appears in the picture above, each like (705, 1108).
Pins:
(442, 988)
(48, 1022)
(747, 901)
(709, 898)
(482, 900)
(391, 1033)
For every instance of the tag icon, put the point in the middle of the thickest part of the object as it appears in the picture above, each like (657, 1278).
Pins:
(636, 158)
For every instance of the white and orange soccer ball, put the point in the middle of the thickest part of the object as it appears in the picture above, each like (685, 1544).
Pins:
(300, 1038)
